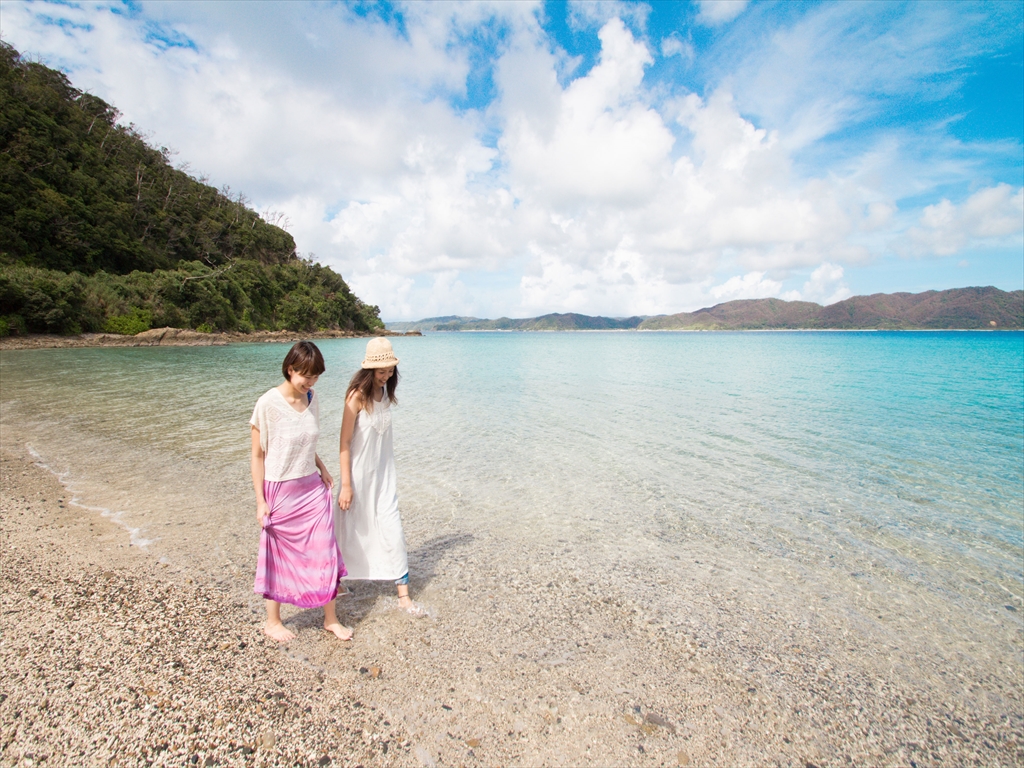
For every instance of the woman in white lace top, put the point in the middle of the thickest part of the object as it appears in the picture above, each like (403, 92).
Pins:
(369, 526)
(299, 561)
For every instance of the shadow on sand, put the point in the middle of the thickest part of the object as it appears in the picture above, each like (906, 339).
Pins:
(364, 596)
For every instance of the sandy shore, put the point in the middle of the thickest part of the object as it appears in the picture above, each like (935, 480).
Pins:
(177, 337)
(531, 655)
(107, 659)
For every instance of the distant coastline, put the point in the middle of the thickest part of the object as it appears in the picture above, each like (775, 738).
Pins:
(712, 330)
(956, 309)
(179, 337)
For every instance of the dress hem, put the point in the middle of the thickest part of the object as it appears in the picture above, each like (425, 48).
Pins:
(296, 601)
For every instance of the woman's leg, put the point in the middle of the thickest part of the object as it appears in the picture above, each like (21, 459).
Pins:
(274, 628)
(404, 601)
(331, 623)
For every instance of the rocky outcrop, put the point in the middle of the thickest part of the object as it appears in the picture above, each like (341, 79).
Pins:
(178, 337)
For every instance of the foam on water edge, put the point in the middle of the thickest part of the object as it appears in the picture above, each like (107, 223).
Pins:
(135, 539)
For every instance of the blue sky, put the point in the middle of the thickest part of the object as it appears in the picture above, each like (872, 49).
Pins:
(518, 158)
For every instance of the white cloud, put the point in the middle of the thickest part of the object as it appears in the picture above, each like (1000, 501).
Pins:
(257, 127)
(447, 291)
(753, 285)
(716, 12)
(615, 225)
(990, 216)
(603, 143)
(843, 64)
(674, 45)
(584, 14)
(826, 285)
(604, 194)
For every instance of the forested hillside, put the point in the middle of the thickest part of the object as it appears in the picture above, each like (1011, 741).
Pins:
(959, 308)
(99, 232)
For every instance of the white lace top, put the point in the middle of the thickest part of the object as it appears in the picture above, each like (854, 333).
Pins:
(288, 438)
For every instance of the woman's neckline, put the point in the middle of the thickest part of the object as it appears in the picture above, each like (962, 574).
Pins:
(288, 403)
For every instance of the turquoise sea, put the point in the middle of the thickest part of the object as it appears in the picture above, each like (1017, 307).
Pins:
(905, 447)
(875, 480)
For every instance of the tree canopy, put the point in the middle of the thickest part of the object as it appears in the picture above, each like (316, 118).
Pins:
(96, 226)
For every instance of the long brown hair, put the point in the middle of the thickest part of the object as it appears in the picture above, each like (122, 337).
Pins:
(362, 383)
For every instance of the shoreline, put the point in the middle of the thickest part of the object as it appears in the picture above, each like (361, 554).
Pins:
(518, 662)
(709, 330)
(107, 654)
(183, 337)
(180, 337)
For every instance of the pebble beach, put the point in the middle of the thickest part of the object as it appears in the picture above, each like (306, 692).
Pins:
(105, 659)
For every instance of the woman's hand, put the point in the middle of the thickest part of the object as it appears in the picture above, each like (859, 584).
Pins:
(262, 513)
(345, 496)
(324, 474)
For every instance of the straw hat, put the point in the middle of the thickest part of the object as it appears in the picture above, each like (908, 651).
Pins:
(379, 354)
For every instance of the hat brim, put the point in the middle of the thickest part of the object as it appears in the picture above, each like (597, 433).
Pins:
(393, 362)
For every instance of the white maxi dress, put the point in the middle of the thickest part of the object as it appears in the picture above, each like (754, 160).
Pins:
(370, 532)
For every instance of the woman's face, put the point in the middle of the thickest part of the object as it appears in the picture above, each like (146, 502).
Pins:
(301, 381)
(381, 375)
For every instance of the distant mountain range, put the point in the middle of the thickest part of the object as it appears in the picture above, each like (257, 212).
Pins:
(567, 322)
(957, 308)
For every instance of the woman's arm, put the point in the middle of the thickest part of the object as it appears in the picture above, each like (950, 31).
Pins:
(348, 424)
(258, 470)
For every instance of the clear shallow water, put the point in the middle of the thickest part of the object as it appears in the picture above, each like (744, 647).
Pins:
(828, 463)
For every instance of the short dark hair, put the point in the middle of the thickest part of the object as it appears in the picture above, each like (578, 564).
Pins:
(303, 358)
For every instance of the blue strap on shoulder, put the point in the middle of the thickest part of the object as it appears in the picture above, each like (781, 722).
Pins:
(309, 397)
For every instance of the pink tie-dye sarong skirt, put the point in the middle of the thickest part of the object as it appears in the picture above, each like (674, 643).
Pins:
(299, 561)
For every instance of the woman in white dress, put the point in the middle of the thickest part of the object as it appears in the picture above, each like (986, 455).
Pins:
(369, 527)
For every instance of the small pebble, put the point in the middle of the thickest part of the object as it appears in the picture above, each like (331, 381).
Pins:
(655, 719)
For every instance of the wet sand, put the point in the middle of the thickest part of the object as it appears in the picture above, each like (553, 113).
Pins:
(532, 655)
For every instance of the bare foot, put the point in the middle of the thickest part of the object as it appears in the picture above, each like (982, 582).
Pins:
(406, 604)
(342, 633)
(279, 632)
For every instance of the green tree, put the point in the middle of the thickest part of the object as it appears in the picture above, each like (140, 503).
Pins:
(95, 224)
